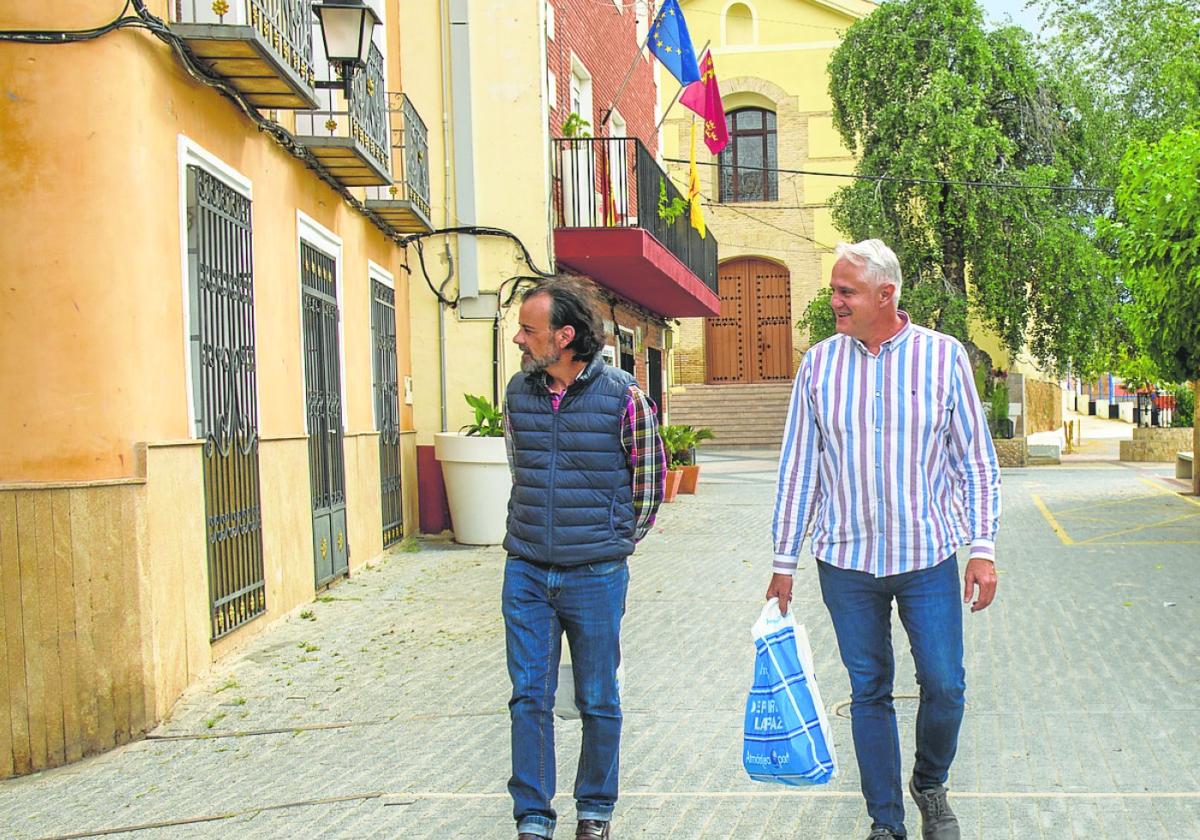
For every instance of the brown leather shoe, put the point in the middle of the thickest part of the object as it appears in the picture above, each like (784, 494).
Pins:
(592, 830)
(526, 836)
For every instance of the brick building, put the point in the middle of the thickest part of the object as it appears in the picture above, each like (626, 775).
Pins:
(607, 183)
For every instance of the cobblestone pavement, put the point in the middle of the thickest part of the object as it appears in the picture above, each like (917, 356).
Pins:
(383, 713)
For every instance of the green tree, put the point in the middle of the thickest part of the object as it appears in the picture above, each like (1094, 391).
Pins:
(1133, 65)
(921, 91)
(1157, 237)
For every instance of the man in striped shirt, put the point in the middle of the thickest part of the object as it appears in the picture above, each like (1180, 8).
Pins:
(888, 464)
(588, 471)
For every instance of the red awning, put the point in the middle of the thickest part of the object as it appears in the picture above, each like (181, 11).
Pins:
(635, 265)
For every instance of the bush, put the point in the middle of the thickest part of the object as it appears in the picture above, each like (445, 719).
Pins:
(1185, 407)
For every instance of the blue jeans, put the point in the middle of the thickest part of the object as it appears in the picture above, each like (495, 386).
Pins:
(931, 610)
(540, 604)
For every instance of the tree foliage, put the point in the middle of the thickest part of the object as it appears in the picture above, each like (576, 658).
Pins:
(1157, 236)
(921, 91)
(1134, 66)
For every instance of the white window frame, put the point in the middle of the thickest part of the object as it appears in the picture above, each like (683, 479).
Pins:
(643, 13)
(192, 153)
(552, 90)
(322, 238)
(377, 272)
(550, 20)
(581, 75)
(633, 342)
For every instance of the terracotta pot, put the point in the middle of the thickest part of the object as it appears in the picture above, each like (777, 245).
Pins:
(672, 486)
(691, 474)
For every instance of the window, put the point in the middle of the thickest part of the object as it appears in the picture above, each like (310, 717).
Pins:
(552, 90)
(387, 403)
(222, 351)
(643, 14)
(581, 93)
(739, 25)
(748, 163)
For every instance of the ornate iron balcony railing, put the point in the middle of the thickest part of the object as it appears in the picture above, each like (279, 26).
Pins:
(284, 27)
(363, 121)
(410, 157)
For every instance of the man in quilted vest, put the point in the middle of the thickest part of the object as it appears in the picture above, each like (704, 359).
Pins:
(588, 470)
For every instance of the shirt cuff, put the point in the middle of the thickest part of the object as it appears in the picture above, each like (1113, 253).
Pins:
(985, 548)
(785, 564)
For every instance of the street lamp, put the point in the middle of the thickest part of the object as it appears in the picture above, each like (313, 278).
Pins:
(346, 27)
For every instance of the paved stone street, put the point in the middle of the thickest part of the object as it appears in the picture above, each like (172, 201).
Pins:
(380, 710)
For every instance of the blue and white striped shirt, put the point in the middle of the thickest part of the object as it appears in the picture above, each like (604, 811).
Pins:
(888, 457)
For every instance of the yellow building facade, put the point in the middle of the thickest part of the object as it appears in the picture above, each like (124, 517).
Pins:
(482, 76)
(205, 349)
(777, 232)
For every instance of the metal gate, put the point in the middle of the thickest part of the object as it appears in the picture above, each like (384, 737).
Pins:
(387, 410)
(323, 385)
(221, 314)
(751, 340)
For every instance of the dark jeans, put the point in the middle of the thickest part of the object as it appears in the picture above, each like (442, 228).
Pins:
(930, 608)
(540, 604)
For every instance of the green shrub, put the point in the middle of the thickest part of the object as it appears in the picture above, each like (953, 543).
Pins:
(489, 420)
(1185, 407)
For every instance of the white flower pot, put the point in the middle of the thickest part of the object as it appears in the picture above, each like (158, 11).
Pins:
(477, 485)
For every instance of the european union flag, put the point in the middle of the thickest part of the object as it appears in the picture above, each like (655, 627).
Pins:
(670, 43)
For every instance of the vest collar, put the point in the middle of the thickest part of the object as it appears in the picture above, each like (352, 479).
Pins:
(541, 382)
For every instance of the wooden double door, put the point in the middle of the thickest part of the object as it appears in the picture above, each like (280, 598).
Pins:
(751, 340)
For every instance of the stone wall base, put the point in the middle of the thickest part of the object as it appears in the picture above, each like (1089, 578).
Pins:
(1012, 453)
(1156, 445)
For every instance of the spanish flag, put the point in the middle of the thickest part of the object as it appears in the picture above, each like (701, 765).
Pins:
(697, 213)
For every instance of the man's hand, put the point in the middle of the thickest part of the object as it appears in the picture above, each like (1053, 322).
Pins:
(980, 573)
(781, 588)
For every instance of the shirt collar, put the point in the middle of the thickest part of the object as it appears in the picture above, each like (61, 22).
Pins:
(896, 340)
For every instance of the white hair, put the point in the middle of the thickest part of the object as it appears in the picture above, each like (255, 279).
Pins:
(878, 259)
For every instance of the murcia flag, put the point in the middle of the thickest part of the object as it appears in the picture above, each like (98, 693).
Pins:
(704, 97)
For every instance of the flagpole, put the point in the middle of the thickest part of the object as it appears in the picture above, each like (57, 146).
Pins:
(628, 73)
(678, 94)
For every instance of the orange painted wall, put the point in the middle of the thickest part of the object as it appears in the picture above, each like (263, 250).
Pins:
(92, 357)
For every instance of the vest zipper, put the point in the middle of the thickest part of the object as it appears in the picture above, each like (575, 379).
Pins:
(553, 469)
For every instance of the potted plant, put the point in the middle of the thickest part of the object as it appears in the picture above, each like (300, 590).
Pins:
(675, 446)
(1000, 422)
(687, 457)
(478, 482)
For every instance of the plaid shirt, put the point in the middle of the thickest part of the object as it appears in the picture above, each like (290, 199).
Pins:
(647, 460)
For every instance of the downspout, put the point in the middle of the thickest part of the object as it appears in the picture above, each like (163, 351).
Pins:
(496, 358)
(444, 26)
(464, 146)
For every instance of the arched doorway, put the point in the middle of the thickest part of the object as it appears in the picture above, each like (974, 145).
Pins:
(751, 340)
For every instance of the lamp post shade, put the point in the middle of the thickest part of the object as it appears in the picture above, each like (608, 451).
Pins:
(346, 27)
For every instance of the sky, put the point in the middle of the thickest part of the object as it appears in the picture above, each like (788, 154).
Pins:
(999, 11)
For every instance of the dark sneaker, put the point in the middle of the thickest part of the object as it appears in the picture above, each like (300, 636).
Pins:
(882, 834)
(937, 820)
(592, 830)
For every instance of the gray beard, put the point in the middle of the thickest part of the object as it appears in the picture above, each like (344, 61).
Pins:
(538, 364)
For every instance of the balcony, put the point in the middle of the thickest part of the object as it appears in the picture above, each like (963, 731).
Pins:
(351, 141)
(608, 225)
(263, 48)
(405, 203)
